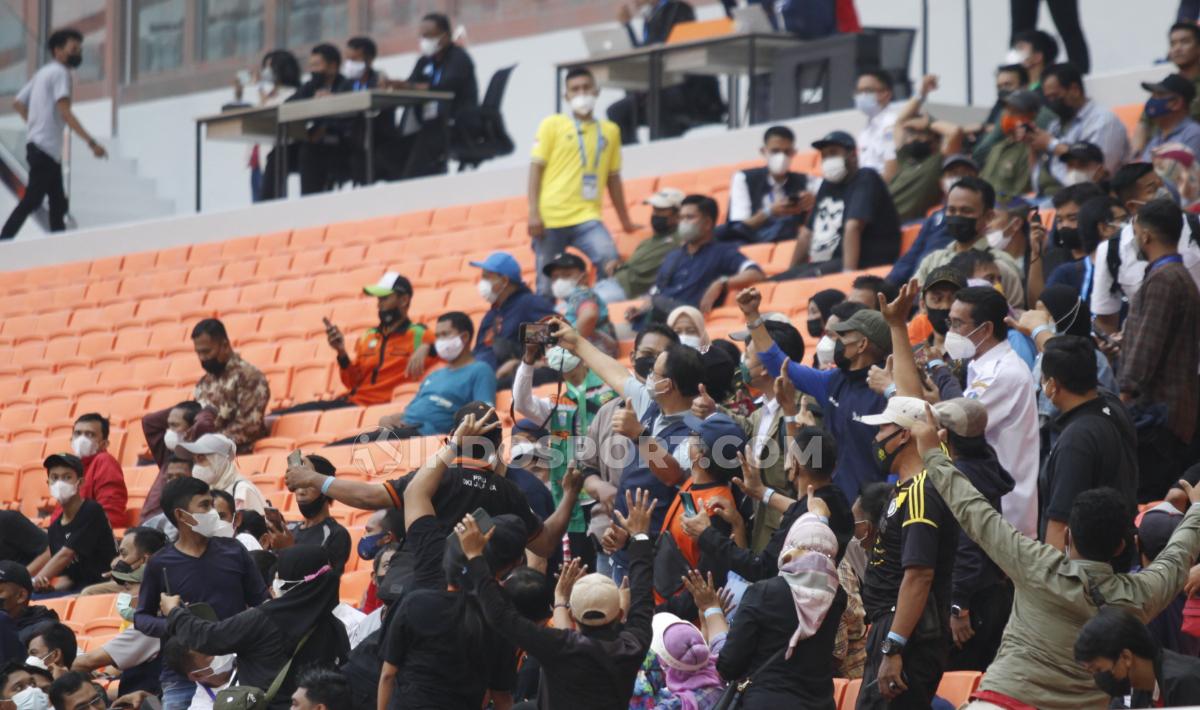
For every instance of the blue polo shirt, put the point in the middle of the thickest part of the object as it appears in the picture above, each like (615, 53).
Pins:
(932, 237)
(501, 325)
(684, 277)
(1187, 133)
(536, 492)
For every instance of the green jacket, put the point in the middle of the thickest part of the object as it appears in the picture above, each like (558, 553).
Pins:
(1056, 595)
(569, 419)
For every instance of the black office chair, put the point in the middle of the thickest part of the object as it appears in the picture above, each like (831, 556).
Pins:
(479, 134)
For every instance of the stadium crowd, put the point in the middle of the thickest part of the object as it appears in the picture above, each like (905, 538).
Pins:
(989, 463)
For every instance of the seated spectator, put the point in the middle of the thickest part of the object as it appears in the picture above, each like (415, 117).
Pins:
(20, 540)
(701, 271)
(1180, 171)
(16, 590)
(932, 235)
(512, 303)
(1080, 119)
(1184, 52)
(324, 157)
(103, 479)
(820, 307)
(580, 305)
(1168, 110)
(969, 209)
(216, 465)
(1010, 79)
(1035, 51)
(1085, 163)
(873, 94)
(688, 324)
(634, 277)
(81, 540)
(53, 646)
(1116, 638)
(164, 430)
(19, 689)
(318, 528)
(138, 544)
(211, 674)
(1006, 162)
(445, 390)
(769, 204)
(76, 691)
(235, 390)
(321, 689)
(133, 653)
(920, 144)
(867, 288)
(442, 66)
(1010, 231)
(853, 224)
(384, 357)
(297, 625)
(278, 79)
(358, 66)
(1083, 218)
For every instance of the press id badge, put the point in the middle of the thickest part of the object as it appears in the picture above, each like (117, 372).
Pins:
(429, 111)
(591, 187)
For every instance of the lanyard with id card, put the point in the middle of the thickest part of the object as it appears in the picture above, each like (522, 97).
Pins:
(429, 110)
(591, 182)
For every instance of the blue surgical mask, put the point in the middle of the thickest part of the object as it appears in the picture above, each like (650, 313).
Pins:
(368, 545)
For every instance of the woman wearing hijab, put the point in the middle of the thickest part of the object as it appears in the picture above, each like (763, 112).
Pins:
(265, 637)
(216, 465)
(688, 324)
(787, 625)
(688, 655)
(820, 307)
(1176, 164)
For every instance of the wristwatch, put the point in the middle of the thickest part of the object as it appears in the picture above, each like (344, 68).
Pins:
(956, 610)
(641, 536)
(890, 647)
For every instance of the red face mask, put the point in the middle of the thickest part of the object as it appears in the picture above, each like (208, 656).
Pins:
(1009, 123)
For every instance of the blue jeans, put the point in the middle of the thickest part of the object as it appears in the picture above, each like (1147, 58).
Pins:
(177, 694)
(591, 238)
(610, 290)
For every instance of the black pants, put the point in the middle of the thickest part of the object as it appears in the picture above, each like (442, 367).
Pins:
(630, 112)
(45, 180)
(322, 167)
(1161, 461)
(321, 405)
(989, 615)
(425, 152)
(806, 271)
(924, 662)
(1066, 20)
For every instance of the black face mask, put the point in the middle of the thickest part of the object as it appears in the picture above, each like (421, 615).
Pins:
(213, 366)
(389, 316)
(74, 60)
(1061, 109)
(1111, 686)
(816, 327)
(920, 150)
(661, 225)
(883, 459)
(939, 318)
(313, 508)
(1069, 237)
(1002, 95)
(123, 567)
(839, 356)
(962, 229)
(644, 365)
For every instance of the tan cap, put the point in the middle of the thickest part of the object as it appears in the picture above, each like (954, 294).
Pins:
(965, 417)
(901, 411)
(668, 197)
(595, 600)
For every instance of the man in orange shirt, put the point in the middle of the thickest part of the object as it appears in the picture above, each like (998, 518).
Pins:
(384, 357)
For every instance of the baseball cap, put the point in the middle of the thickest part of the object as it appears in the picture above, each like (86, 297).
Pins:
(944, 275)
(1087, 152)
(69, 460)
(528, 426)
(595, 600)
(959, 159)
(15, 572)
(871, 324)
(965, 417)
(723, 438)
(1023, 101)
(1155, 527)
(210, 444)
(739, 336)
(666, 198)
(841, 138)
(1173, 84)
(389, 283)
(901, 411)
(503, 263)
(564, 260)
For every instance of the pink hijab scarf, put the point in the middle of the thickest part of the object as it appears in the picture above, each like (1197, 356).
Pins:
(810, 572)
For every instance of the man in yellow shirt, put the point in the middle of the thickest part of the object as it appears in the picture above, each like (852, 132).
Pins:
(574, 157)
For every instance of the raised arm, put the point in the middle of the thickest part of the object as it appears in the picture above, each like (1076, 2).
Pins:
(905, 374)
(1158, 584)
(606, 368)
(553, 528)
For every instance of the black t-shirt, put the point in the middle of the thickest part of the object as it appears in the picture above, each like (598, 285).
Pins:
(864, 196)
(447, 654)
(20, 540)
(841, 517)
(91, 538)
(917, 530)
(329, 534)
(468, 485)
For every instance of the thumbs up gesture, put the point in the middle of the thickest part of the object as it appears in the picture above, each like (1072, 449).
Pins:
(703, 405)
(625, 422)
(879, 379)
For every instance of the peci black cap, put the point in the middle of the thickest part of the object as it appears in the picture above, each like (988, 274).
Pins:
(1173, 84)
(1083, 151)
(565, 260)
(840, 138)
(959, 159)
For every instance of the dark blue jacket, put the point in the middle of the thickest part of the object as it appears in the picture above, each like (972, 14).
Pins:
(932, 237)
(501, 326)
(844, 397)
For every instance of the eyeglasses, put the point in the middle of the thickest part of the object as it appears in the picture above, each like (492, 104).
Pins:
(96, 702)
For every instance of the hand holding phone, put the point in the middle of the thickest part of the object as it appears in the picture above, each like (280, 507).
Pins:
(689, 503)
(295, 459)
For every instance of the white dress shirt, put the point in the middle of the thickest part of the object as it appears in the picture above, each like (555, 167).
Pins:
(1133, 270)
(1003, 383)
(877, 142)
(762, 435)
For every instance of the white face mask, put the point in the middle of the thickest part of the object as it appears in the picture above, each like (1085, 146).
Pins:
(63, 491)
(428, 46)
(834, 168)
(561, 360)
(353, 69)
(583, 104)
(948, 183)
(171, 439)
(486, 292)
(448, 349)
(36, 662)
(204, 473)
(266, 88)
(1076, 176)
(84, 446)
(219, 665)
(997, 239)
(689, 231)
(32, 698)
(522, 448)
(778, 163)
(652, 381)
(825, 348)
(207, 524)
(867, 102)
(692, 341)
(961, 347)
(562, 288)
(1015, 56)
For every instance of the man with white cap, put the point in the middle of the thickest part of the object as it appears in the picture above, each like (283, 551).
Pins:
(633, 277)
(910, 566)
(216, 465)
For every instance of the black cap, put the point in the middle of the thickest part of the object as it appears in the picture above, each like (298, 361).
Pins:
(1173, 84)
(1023, 101)
(1156, 527)
(69, 460)
(841, 138)
(959, 159)
(16, 573)
(528, 426)
(944, 275)
(1084, 151)
(565, 260)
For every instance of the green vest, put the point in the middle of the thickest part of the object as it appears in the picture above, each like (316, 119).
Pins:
(569, 419)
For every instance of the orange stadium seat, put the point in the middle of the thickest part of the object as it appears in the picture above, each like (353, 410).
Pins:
(354, 584)
(850, 698)
(94, 606)
(957, 686)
